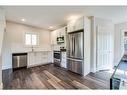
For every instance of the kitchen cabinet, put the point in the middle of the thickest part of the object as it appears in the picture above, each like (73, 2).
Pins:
(63, 60)
(39, 58)
(84, 24)
(58, 33)
(75, 25)
(53, 37)
(2, 19)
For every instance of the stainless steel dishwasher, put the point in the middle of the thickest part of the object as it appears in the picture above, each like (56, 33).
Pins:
(19, 60)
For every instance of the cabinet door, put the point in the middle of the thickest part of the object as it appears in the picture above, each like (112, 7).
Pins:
(53, 37)
(39, 59)
(36, 56)
(49, 57)
(44, 57)
(70, 26)
(75, 25)
(63, 61)
(79, 24)
(2, 19)
(31, 59)
(62, 31)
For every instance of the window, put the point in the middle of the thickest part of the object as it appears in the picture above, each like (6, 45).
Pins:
(31, 39)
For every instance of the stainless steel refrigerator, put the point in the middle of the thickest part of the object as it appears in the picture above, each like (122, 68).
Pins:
(75, 52)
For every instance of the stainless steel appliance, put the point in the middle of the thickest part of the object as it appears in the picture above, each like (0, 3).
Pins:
(19, 60)
(75, 52)
(57, 58)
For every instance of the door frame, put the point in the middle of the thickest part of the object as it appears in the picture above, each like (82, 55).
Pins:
(122, 41)
(112, 48)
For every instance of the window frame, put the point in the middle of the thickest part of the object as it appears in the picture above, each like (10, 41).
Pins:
(31, 33)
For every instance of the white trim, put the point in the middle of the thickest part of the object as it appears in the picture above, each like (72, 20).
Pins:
(93, 45)
(30, 46)
(1, 86)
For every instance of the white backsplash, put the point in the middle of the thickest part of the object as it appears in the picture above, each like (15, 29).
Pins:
(22, 48)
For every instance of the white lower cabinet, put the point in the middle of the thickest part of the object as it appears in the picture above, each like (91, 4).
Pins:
(63, 60)
(39, 58)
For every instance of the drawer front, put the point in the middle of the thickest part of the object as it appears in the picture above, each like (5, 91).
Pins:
(74, 66)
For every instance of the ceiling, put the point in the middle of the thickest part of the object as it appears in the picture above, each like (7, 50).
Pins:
(57, 16)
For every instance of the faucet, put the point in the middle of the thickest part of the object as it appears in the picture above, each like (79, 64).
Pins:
(32, 49)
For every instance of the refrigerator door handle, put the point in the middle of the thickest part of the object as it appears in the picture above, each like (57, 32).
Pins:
(74, 45)
(75, 59)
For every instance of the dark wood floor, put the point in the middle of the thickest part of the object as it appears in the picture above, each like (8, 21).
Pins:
(50, 77)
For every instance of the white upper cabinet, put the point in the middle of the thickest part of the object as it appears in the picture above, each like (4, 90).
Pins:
(75, 25)
(57, 33)
(2, 19)
(79, 24)
(53, 37)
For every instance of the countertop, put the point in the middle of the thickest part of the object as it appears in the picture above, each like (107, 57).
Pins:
(32, 51)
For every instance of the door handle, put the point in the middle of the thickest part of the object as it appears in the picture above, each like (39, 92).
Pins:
(74, 45)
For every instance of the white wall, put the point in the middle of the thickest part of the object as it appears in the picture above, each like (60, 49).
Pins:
(118, 38)
(87, 45)
(2, 27)
(14, 41)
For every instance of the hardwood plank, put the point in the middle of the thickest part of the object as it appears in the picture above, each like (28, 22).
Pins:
(55, 84)
(50, 77)
(37, 83)
(98, 82)
(66, 85)
(44, 79)
(79, 85)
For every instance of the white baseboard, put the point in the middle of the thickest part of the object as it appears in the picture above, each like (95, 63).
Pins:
(93, 70)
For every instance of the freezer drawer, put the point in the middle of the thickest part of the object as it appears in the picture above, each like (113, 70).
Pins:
(75, 65)
(19, 60)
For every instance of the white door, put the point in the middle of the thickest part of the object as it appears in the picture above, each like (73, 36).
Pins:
(104, 48)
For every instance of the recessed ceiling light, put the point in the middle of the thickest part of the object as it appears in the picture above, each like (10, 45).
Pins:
(73, 17)
(51, 27)
(23, 20)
